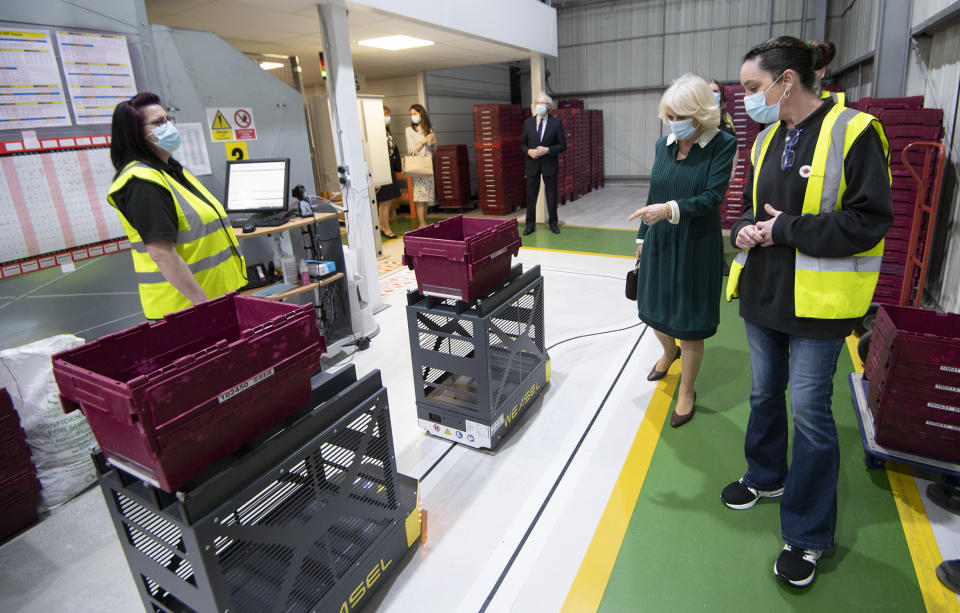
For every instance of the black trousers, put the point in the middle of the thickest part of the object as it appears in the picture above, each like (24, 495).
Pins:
(533, 190)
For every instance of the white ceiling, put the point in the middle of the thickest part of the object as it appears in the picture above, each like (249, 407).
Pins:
(292, 27)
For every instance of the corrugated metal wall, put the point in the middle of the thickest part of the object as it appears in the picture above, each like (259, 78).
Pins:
(934, 71)
(854, 30)
(620, 56)
(450, 96)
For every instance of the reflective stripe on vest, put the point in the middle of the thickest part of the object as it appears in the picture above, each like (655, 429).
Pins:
(825, 288)
(206, 244)
(838, 97)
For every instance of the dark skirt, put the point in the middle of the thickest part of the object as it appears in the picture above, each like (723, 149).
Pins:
(388, 192)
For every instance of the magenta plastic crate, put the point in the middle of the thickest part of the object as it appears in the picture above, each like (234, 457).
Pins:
(18, 503)
(917, 390)
(461, 257)
(920, 435)
(903, 335)
(168, 399)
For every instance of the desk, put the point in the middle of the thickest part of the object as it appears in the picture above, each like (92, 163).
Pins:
(296, 222)
(293, 292)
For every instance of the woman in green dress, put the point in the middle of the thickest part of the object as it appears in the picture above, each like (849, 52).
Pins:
(679, 242)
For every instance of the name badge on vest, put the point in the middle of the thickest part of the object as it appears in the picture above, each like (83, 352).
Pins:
(805, 172)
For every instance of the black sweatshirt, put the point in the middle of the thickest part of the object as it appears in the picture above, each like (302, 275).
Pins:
(766, 284)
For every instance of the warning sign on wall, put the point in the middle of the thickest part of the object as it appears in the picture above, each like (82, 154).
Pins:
(231, 124)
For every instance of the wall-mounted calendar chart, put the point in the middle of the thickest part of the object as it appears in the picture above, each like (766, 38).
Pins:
(98, 72)
(31, 93)
(54, 201)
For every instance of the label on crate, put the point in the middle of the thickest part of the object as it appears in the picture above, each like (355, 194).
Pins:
(233, 391)
(950, 369)
(943, 407)
(937, 424)
(947, 388)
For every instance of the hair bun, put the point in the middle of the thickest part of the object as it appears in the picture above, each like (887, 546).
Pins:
(822, 53)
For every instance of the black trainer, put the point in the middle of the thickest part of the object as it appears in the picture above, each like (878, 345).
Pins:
(796, 566)
(738, 495)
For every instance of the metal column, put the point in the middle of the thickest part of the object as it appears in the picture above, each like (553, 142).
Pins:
(336, 45)
(893, 49)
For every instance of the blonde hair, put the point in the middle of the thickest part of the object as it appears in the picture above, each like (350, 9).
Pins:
(690, 96)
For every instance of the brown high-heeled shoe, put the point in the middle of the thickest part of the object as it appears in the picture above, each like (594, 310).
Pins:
(677, 420)
(656, 375)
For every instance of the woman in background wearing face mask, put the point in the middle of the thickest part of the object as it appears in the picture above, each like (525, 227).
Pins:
(680, 246)
(387, 194)
(816, 206)
(184, 252)
(421, 141)
(726, 121)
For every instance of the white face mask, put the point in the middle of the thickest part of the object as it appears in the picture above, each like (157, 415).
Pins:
(541, 109)
(386, 120)
(415, 119)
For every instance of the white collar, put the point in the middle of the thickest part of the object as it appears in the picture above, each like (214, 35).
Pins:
(703, 141)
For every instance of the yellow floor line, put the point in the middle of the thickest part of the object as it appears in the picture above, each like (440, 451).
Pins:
(591, 580)
(608, 255)
(924, 551)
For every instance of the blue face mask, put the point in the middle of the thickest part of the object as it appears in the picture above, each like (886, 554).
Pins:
(168, 138)
(757, 108)
(683, 129)
(541, 109)
(716, 97)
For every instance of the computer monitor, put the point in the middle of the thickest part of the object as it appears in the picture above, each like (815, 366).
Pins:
(257, 186)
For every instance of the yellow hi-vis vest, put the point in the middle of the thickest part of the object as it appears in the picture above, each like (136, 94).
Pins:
(825, 288)
(838, 97)
(204, 241)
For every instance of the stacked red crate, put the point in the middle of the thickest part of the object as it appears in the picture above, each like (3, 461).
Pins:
(496, 132)
(747, 131)
(914, 369)
(601, 167)
(581, 151)
(451, 171)
(596, 147)
(904, 121)
(19, 487)
(566, 179)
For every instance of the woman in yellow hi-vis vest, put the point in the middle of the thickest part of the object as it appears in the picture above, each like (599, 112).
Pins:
(184, 252)
(816, 207)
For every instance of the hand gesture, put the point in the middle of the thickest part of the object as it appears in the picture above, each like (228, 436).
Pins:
(651, 214)
(765, 228)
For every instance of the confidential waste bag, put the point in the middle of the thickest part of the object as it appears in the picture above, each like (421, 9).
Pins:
(60, 443)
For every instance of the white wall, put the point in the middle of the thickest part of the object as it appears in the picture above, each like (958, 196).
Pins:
(620, 56)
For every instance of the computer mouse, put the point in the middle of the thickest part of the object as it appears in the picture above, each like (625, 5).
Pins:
(248, 228)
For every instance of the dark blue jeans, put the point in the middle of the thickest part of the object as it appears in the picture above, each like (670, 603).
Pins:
(808, 511)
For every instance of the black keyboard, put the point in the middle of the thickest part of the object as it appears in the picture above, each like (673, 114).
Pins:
(263, 221)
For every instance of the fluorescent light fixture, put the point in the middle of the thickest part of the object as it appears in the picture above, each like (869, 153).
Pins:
(270, 65)
(395, 43)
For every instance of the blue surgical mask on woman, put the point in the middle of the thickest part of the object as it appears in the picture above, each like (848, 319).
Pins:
(757, 107)
(386, 120)
(683, 129)
(716, 97)
(168, 138)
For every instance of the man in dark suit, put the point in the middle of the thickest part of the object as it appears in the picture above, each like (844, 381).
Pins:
(542, 143)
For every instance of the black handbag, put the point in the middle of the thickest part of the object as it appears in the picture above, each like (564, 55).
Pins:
(631, 289)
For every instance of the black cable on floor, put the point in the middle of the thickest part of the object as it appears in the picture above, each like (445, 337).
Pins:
(556, 484)
(573, 338)
(434, 465)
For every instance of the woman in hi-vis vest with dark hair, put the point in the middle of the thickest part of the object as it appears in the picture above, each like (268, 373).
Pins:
(816, 206)
(184, 251)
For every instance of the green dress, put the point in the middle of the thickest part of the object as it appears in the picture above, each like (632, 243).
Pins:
(680, 271)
